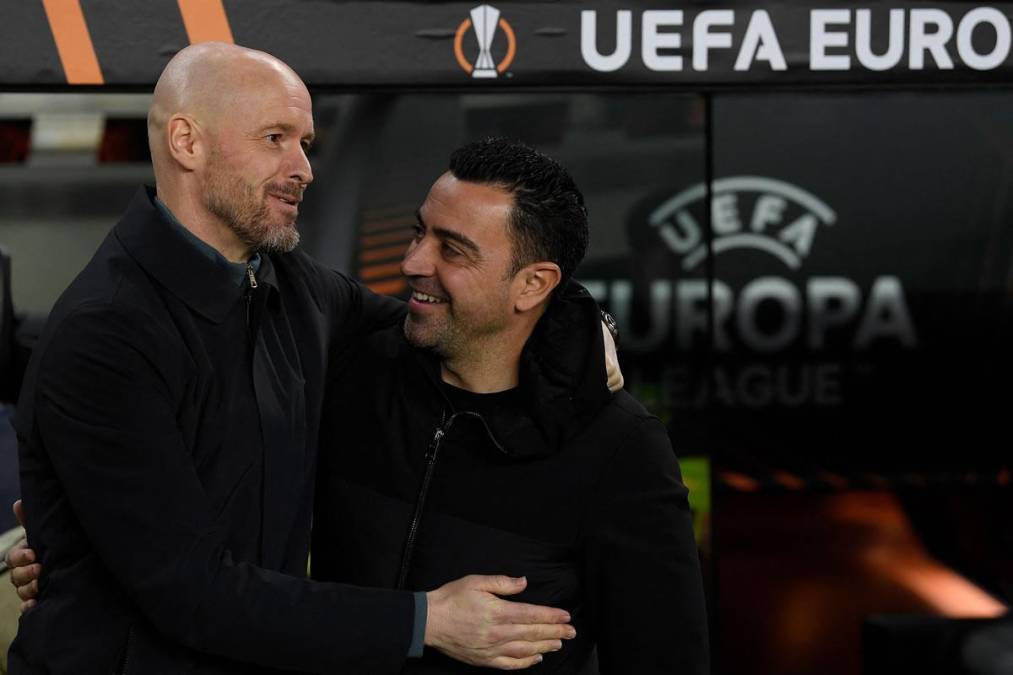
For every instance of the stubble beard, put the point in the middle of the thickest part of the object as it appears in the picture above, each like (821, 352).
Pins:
(246, 213)
(438, 337)
(452, 338)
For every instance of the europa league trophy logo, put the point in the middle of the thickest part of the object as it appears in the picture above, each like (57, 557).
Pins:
(485, 19)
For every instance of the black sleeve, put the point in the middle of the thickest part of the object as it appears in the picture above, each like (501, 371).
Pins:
(357, 310)
(355, 313)
(107, 421)
(642, 569)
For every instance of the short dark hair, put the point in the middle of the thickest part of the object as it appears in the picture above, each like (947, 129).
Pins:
(548, 220)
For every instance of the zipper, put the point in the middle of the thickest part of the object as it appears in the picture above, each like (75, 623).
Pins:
(249, 291)
(420, 502)
(125, 667)
(250, 275)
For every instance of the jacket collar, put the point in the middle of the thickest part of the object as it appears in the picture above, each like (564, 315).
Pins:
(562, 379)
(204, 284)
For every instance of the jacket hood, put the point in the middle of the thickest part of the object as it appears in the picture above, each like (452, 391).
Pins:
(562, 379)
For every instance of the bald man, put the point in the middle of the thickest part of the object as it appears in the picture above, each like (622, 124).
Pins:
(168, 423)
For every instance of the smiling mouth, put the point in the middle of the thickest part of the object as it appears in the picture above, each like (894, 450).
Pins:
(419, 296)
(291, 201)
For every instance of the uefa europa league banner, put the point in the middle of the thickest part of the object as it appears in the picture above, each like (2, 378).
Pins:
(59, 43)
(840, 305)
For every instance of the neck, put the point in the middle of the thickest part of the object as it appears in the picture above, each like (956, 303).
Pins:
(191, 214)
(489, 365)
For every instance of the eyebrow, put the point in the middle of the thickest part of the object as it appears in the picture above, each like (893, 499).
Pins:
(444, 233)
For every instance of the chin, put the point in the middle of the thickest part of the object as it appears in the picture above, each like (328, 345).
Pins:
(417, 335)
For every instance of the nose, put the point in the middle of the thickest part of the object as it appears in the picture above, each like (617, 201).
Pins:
(418, 259)
(301, 169)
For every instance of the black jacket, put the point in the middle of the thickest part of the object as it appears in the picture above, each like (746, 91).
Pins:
(574, 488)
(168, 430)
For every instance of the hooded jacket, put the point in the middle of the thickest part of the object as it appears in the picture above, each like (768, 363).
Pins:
(558, 481)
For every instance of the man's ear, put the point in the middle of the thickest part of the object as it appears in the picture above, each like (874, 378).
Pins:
(185, 141)
(537, 282)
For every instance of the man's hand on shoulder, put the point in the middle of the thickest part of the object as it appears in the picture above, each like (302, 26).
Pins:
(612, 370)
(468, 622)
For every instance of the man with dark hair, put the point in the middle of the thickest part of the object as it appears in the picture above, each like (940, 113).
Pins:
(548, 220)
(488, 441)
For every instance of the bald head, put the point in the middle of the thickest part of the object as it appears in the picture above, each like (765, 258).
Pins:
(205, 81)
(229, 129)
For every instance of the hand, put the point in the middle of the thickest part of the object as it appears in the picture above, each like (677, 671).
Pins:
(24, 574)
(467, 622)
(615, 375)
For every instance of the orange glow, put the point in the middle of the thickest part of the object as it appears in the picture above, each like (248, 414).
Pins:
(391, 287)
(380, 271)
(385, 253)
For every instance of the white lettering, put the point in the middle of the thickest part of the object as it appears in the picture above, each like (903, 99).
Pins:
(769, 289)
(828, 385)
(653, 42)
(620, 302)
(589, 41)
(684, 239)
(769, 210)
(760, 44)
(768, 315)
(757, 386)
(754, 386)
(965, 46)
(832, 302)
(886, 315)
(863, 40)
(800, 233)
(691, 309)
(820, 38)
(934, 42)
(704, 40)
(725, 214)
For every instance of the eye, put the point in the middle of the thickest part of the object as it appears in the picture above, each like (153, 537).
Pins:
(306, 145)
(449, 251)
(273, 138)
(417, 229)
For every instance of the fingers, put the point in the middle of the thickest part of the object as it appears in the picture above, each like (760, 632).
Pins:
(19, 512)
(497, 584)
(27, 605)
(507, 663)
(535, 633)
(522, 649)
(29, 591)
(22, 577)
(523, 613)
(20, 555)
(616, 381)
(613, 372)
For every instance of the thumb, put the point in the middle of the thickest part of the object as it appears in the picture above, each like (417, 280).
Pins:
(499, 584)
(19, 513)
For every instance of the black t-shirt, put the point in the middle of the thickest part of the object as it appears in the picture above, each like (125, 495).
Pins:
(484, 404)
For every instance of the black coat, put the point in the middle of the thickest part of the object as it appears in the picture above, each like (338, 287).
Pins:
(168, 431)
(578, 490)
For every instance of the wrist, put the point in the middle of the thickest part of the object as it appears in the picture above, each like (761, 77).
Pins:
(429, 638)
